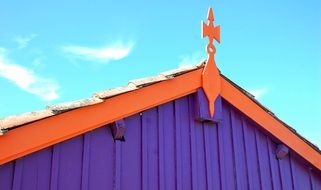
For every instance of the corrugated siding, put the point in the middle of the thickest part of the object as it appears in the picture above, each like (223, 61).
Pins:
(164, 148)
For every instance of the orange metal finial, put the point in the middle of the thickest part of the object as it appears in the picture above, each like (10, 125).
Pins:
(211, 31)
(211, 80)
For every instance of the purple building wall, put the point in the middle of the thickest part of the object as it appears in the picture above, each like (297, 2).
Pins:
(165, 148)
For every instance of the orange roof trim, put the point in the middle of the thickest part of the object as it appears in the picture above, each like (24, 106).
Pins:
(49, 131)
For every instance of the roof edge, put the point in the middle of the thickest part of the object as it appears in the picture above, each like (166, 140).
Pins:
(25, 140)
(14, 121)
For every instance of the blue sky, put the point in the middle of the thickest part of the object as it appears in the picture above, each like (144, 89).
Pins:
(53, 52)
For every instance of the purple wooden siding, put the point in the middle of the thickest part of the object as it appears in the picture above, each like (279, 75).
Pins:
(165, 148)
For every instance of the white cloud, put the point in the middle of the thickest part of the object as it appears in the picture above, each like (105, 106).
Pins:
(103, 54)
(191, 60)
(259, 92)
(27, 80)
(24, 41)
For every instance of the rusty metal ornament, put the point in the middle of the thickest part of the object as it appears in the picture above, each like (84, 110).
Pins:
(211, 80)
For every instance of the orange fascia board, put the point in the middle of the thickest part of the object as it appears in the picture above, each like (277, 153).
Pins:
(269, 123)
(49, 131)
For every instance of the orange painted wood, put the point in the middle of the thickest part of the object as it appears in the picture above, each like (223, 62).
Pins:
(41, 134)
(269, 123)
(52, 130)
(211, 80)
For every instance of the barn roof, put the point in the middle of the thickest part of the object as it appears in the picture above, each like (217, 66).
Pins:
(29, 132)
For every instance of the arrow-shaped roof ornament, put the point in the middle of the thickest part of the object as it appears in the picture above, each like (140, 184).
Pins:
(211, 80)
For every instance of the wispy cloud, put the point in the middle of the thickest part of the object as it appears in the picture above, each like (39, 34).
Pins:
(38, 61)
(23, 41)
(259, 92)
(107, 53)
(191, 59)
(26, 79)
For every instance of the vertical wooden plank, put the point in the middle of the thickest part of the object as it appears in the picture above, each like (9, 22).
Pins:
(214, 156)
(101, 159)
(182, 116)
(257, 144)
(36, 170)
(292, 170)
(207, 151)
(55, 167)
(220, 142)
(315, 179)
(263, 157)
(226, 151)
(229, 151)
(161, 161)
(70, 161)
(233, 148)
(251, 155)
(245, 172)
(144, 153)
(193, 143)
(166, 113)
(310, 178)
(150, 149)
(118, 169)
(276, 182)
(131, 154)
(150, 122)
(200, 156)
(178, 155)
(6, 175)
(285, 171)
(44, 160)
(29, 172)
(86, 162)
(300, 172)
(17, 178)
(246, 169)
(239, 151)
(182, 124)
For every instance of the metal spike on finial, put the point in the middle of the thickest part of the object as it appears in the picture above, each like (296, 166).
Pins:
(210, 15)
(209, 30)
(211, 80)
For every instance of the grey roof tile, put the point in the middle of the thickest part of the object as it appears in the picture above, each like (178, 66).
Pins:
(148, 80)
(114, 91)
(63, 107)
(21, 119)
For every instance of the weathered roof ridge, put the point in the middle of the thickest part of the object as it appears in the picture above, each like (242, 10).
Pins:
(14, 121)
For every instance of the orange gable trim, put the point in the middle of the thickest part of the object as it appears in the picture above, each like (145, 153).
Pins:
(269, 123)
(41, 134)
(49, 131)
